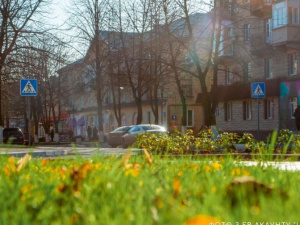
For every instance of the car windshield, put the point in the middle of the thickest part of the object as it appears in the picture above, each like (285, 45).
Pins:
(121, 129)
(146, 127)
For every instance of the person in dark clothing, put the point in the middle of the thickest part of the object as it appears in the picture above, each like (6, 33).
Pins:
(297, 117)
(89, 133)
(71, 135)
(52, 134)
(95, 134)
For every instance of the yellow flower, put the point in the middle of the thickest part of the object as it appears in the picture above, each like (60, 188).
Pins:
(246, 173)
(179, 173)
(236, 172)
(11, 164)
(132, 170)
(201, 220)
(216, 166)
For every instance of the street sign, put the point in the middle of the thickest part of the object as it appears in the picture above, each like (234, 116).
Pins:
(258, 90)
(28, 87)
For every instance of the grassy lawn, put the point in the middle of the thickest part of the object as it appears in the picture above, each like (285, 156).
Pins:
(144, 190)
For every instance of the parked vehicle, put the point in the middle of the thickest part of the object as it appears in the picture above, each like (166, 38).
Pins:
(26, 138)
(13, 135)
(129, 137)
(114, 138)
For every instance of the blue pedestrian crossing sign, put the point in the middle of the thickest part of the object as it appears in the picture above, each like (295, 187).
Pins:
(28, 87)
(258, 90)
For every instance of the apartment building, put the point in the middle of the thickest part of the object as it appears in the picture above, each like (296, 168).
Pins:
(118, 101)
(261, 43)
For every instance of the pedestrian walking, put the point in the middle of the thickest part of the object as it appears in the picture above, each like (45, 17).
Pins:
(52, 134)
(297, 117)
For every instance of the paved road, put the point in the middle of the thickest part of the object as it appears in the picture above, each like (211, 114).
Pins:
(69, 151)
(55, 151)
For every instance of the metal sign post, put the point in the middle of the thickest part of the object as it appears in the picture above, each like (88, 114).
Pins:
(258, 91)
(28, 87)
(29, 122)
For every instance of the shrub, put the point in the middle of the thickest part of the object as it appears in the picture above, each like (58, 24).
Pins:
(227, 140)
(206, 141)
(248, 140)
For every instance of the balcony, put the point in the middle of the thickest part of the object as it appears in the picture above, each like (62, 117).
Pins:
(286, 36)
(261, 8)
(227, 53)
(260, 44)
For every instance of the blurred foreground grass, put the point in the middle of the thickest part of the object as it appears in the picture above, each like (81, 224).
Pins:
(144, 190)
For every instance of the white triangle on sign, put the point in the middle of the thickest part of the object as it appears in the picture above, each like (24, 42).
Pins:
(28, 88)
(258, 91)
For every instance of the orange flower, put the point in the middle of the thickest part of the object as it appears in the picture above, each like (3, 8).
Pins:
(176, 187)
(207, 168)
(201, 220)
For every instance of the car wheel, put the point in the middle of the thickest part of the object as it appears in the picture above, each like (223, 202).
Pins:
(124, 143)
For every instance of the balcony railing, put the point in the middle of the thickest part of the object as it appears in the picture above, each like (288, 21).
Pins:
(286, 35)
(260, 7)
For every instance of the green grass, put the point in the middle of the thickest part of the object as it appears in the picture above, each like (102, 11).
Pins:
(134, 190)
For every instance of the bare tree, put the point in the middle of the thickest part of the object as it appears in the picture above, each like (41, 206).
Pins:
(89, 18)
(18, 20)
(133, 34)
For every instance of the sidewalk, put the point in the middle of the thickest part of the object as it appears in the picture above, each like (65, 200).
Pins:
(43, 149)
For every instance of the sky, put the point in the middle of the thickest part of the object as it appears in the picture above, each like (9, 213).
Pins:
(59, 15)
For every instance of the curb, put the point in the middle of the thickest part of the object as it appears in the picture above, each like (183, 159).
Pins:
(36, 154)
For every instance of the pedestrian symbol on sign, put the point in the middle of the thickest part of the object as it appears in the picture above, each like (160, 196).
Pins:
(258, 91)
(29, 88)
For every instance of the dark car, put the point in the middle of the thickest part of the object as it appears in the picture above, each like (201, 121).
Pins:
(114, 138)
(26, 138)
(13, 135)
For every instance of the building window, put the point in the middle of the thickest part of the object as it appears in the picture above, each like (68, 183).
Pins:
(269, 68)
(228, 33)
(293, 106)
(294, 15)
(268, 25)
(229, 75)
(292, 64)
(190, 118)
(247, 110)
(228, 111)
(279, 14)
(247, 71)
(269, 109)
(247, 32)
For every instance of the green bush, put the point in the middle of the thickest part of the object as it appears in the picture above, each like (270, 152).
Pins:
(206, 140)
